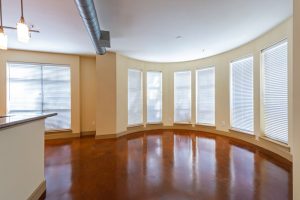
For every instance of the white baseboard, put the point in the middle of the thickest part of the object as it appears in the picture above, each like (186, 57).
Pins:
(61, 135)
(38, 192)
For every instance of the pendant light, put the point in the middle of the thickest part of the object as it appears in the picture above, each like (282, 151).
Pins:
(3, 37)
(22, 28)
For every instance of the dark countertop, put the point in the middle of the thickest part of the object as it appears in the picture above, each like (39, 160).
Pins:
(13, 120)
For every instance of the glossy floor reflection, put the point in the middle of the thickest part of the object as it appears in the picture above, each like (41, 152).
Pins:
(162, 165)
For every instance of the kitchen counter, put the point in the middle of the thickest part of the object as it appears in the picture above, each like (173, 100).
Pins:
(13, 120)
(22, 156)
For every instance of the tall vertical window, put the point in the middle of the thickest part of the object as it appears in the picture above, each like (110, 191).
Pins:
(35, 89)
(242, 110)
(275, 91)
(205, 103)
(154, 97)
(135, 97)
(182, 96)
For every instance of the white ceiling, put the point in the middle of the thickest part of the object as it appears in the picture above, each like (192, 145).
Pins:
(147, 30)
(61, 28)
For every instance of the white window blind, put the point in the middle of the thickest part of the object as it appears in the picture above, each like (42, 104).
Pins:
(154, 97)
(275, 90)
(135, 97)
(205, 88)
(36, 89)
(57, 96)
(242, 111)
(182, 96)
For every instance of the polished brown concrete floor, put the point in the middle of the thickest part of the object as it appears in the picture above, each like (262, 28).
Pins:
(163, 165)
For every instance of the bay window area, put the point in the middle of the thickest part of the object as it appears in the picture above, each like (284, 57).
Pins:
(192, 98)
(38, 88)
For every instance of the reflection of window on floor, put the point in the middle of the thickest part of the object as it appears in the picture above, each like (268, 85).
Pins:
(34, 88)
(242, 168)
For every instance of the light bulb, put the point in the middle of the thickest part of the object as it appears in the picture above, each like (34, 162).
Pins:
(23, 32)
(3, 40)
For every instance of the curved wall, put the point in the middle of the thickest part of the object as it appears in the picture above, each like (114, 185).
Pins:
(222, 67)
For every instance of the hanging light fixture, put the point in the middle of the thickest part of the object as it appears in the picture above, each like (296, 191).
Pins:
(3, 37)
(22, 28)
(3, 40)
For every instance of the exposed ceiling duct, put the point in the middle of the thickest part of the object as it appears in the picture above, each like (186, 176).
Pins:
(88, 14)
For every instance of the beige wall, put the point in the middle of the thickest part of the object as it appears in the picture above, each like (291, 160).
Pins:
(48, 58)
(296, 101)
(106, 94)
(88, 94)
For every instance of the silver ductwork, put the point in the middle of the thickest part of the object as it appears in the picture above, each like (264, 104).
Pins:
(89, 17)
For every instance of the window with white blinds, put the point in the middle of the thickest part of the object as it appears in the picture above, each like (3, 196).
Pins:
(205, 97)
(57, 96)
(275, 91)
(154, 97)
(135, 97)
(182, 96)
(36, 89)
(242, 110)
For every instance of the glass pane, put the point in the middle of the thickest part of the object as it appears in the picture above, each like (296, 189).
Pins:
(154, 97)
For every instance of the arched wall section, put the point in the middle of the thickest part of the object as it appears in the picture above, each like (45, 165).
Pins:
(221, 63)
(118, 86)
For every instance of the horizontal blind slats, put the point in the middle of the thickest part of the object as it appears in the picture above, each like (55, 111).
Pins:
(275, 71)
(135, 97)
(154, 97)
(205, 96)
(242, 114)
(57, 96)
(34, 88)
(182, 96)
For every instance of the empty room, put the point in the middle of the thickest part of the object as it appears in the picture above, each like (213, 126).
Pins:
(149, 100)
